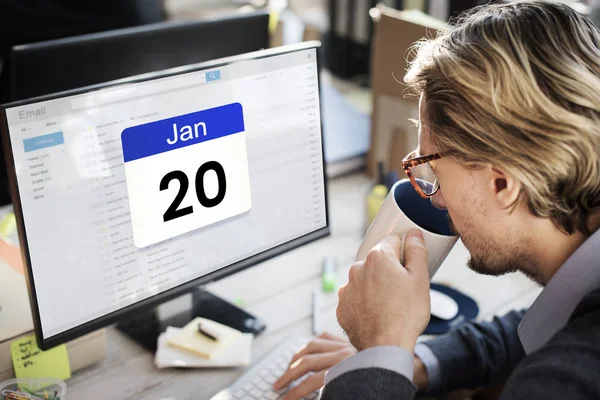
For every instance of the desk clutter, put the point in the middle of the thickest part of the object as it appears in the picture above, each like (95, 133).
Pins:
(203, 343)
(33, 389)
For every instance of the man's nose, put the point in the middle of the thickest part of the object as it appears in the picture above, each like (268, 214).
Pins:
(438, 200)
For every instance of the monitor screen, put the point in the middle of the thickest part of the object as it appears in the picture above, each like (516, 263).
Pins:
(139, 190)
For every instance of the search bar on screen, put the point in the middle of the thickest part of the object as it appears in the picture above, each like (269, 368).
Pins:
(118, 95)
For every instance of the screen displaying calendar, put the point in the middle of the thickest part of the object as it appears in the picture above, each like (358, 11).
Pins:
(134, 189)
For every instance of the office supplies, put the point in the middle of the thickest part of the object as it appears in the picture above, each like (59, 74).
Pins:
(31, 362)
(467, 311)
(83, 352)
(86, 60)
(316, 311)
(206, 331)
(33, 389)
(329, 274)
(88, 191)
(189, 339)
(442, 306)
(348, 39)
(215, 308)
(237, 354)
(257, 382)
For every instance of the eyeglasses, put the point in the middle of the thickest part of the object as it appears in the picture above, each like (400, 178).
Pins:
(421, 174)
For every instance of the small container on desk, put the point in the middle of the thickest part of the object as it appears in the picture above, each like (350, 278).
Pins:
(33, 389)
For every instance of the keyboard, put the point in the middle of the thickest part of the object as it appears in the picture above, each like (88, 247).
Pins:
(257, 382)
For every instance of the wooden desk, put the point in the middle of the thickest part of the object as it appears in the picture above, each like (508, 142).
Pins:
(279, 291)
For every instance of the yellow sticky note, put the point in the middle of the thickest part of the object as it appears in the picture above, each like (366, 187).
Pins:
(31, 362)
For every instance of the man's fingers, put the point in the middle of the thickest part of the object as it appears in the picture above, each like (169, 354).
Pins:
(329, 336)
(311, 384)
(415, 253)
(388, 246)
(319, 345)
(308, 363)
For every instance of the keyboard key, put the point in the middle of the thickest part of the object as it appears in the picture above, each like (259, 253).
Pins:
(257, 394)
(240, 394)
(264, 373)
(271, 379)
(256, 380)
(271, 395)
(248, 387)
(273, 367)
(265, 387)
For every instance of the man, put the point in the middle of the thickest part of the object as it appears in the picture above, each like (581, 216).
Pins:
(510, 111)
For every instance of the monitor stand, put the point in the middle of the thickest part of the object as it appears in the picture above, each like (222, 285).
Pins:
(145, 326)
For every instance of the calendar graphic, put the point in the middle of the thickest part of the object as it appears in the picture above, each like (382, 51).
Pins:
(186, 172)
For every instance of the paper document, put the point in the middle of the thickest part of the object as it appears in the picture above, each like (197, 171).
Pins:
(188, 338)
(238, 353)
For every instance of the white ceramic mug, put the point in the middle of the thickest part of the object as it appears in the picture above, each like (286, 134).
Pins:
(403, 210)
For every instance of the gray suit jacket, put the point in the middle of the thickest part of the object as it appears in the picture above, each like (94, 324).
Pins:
(482, 354)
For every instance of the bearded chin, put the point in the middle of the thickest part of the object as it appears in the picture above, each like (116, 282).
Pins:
(505, 265)
(481, 267)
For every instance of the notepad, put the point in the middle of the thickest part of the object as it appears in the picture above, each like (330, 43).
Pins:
(31, 362)
(237, 354)
(190, 340)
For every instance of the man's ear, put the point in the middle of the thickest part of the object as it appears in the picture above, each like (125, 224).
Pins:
(505, 188)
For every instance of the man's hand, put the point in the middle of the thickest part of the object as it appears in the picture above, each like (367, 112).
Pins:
(317, 357)
(385, 303)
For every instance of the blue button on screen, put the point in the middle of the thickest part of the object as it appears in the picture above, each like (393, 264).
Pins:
(213, 76)
(44, 141)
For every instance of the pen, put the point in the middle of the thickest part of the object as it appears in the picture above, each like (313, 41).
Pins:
(316, 307)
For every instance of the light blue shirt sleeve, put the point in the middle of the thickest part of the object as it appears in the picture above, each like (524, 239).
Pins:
(432, 366)
(393, 358)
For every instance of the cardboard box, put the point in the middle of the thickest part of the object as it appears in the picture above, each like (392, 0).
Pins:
(311, 32)
(393, 135)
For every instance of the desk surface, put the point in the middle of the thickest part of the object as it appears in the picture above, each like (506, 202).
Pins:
(280, 292)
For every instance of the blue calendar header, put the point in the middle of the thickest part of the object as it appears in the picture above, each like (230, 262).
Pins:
(185, 130)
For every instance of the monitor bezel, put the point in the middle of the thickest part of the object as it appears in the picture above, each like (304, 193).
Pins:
(24, 51)
(155, 300)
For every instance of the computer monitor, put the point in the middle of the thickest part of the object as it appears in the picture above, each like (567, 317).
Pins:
(63, 64)
(131, 194)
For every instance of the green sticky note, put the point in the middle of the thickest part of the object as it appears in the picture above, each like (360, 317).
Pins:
(31, 362)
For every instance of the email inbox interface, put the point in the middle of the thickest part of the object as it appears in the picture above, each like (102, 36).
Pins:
(133, 190)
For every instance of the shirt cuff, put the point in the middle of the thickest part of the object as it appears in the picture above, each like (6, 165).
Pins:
(393, 358)
(432, 366)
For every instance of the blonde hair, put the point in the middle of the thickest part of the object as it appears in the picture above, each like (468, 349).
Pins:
(518, 85)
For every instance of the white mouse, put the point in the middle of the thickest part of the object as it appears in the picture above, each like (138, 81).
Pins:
(442, 305)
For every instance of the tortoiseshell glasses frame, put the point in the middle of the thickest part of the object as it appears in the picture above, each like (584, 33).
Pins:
(410, 162)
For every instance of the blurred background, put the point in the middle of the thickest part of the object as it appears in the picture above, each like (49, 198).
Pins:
(365, 46)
